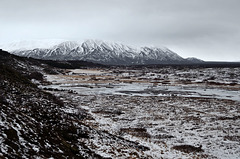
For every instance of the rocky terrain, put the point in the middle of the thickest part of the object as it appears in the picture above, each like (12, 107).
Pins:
(177, 112)
(117, 112)
(37, 124)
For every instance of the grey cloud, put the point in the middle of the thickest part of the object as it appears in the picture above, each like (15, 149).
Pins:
(189, 26)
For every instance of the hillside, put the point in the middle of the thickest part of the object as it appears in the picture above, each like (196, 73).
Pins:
(35, 123)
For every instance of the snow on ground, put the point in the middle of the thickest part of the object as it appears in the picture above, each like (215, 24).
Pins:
(177, 117)
(143, 89)
(87, 71)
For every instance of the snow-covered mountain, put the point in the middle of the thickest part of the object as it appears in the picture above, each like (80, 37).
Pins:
(104, 53)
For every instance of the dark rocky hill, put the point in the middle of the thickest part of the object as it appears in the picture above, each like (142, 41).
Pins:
(34, 123)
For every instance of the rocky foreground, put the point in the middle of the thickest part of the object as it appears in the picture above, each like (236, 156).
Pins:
(34, 123)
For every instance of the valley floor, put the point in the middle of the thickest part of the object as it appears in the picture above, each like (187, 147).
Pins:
(168, 113)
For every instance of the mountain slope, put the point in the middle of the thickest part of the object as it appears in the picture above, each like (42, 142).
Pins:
(105, 53)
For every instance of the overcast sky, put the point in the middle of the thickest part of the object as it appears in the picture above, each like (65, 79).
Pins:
(206, 29)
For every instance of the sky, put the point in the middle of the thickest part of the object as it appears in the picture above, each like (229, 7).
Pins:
(205, 29)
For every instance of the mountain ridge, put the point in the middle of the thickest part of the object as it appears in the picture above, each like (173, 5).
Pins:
(107, 53)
